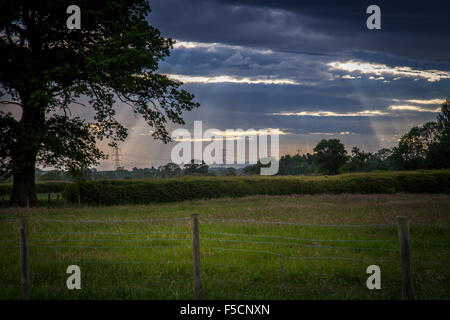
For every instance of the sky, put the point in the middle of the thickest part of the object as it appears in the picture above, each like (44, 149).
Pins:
(311, 69)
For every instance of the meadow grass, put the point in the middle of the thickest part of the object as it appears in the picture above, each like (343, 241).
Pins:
(138, 259)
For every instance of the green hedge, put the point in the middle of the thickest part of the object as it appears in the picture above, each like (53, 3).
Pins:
(111, 192)
(41, 187)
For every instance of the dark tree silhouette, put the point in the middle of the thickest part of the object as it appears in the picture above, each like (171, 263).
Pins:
(329, 156)
(426, 146)
(45, 68)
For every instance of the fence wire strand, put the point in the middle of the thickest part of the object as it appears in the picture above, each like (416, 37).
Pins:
(301, 224)
(298, 245)
(297, 239)
(108, 233)
(109, 221)
(106, 240)
(108, 247)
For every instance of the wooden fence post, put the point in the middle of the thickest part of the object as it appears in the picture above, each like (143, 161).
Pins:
(196, 257)
(283, 280)
(405, 254)
(24, 266)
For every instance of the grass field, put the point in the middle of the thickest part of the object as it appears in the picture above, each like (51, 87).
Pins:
(125, 252)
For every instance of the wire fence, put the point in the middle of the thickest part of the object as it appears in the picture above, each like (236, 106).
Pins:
(170, 258)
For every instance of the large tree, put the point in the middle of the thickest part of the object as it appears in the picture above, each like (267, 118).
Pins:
(425, 146)
(438, 154)
(46, 68)
(329, 156)
(412, 150)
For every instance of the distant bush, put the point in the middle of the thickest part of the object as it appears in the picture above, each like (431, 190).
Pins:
(41, 187)
(111, 192)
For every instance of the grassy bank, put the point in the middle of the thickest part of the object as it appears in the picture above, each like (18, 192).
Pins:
(127, 252)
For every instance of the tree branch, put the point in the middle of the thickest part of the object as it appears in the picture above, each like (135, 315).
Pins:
(11, 102)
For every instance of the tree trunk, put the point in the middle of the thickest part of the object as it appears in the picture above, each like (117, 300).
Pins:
(24, 154)
(24, 187)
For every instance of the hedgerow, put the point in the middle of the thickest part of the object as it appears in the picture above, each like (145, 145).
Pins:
(112, 192)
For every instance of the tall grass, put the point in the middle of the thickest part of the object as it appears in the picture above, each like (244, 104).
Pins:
(274, 266)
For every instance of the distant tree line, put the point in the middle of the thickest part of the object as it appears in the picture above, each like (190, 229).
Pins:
(423, 147)
(169, 170)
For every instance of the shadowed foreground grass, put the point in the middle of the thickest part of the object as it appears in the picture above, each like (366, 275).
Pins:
(141, 258)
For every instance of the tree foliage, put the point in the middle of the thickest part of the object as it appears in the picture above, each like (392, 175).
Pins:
(47, 69)
(329, 156)
(297, 164)
(196, 167)
(426, 146)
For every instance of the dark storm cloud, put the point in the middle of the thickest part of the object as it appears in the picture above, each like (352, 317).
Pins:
(264, 100)
(244, 31)
(310, 68)
(320, 90)
(417, 30)
(245, 61)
